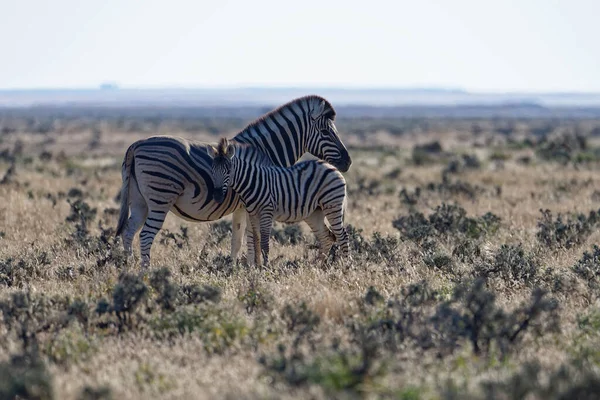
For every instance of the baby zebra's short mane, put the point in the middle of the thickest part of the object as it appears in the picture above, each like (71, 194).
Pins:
(244, 151)
(222, 147)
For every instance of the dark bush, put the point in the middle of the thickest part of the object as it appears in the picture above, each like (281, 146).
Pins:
(557, 233)
(25, 377)
(426, 153)
(101, 393)
(448, 188)
(588, 267)
(568, 381)
(410, 199)
(180, 239)
(511, 264)
(414, 227)
(379, 248)
(196, 294)
(76, 192)
(561, 148)
(290, 234)
(160, 281)
(471, 315)
(220, 230)
(127, 296)
(447, 219)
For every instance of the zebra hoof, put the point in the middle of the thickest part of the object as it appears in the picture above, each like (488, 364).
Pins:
(145, 264)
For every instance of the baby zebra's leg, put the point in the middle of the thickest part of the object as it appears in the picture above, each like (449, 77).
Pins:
(335, 216)
(238, 226)
(266, 225)
(325, 238)
(255, 240)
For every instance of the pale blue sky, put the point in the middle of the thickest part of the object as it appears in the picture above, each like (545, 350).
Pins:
(526, 45)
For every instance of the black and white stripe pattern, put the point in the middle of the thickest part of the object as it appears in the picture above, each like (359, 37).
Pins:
(166, 173)
(308, 191)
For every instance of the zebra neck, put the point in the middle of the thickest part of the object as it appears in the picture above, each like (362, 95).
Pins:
(281, 136)
(243, 174)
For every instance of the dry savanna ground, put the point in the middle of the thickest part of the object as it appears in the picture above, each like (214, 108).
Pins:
(475, 273)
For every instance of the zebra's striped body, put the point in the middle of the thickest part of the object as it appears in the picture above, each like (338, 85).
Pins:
(165, 173)
(308, 191)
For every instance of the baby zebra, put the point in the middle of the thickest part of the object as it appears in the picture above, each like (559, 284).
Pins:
(307, 191)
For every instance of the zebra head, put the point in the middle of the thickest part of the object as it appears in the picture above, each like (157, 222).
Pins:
(221, 168)
(323, 140)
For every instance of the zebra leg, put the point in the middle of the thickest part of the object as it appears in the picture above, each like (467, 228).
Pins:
(255, 240)
(154, 222)
(238, 225)
(250, 255)
(325, 238)
(139, 211)
(335, 216)
(266, 224)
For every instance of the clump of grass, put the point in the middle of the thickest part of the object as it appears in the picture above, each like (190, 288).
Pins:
(335, 369)
(255, 297)
(70, 346)
(18, 271)
(218, 328)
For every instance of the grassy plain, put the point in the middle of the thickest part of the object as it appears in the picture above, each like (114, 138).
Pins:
(460, 287)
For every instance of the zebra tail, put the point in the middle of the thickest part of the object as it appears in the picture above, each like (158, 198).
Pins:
(126, 170)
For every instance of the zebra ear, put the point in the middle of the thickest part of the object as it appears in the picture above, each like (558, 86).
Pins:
(318, 110)
(230, 151)
(211, 151)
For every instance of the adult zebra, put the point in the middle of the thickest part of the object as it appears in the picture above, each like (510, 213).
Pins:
(165, 173)
(309, 191)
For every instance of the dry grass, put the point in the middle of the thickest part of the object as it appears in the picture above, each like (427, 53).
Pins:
(232, 349)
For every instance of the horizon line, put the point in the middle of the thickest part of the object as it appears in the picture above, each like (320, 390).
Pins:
(110, 86)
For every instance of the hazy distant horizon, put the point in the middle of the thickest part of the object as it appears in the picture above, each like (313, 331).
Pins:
(306, 87)
(271, 96)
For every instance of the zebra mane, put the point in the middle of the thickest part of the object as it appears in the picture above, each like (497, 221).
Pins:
(244, 151)
(329, 110)
(222, 147)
